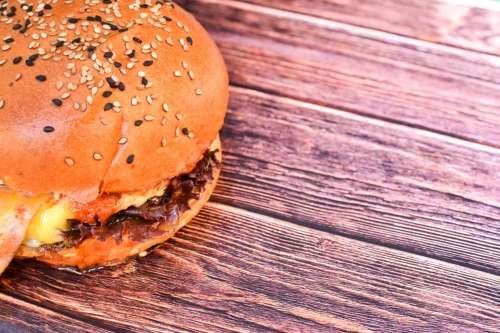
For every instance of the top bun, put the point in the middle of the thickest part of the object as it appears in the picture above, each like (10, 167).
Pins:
(103, 96)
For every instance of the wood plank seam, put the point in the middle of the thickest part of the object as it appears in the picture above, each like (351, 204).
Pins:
(217, 203)
(483, 4)
(50, 310)
(282, 13)
(353, 115)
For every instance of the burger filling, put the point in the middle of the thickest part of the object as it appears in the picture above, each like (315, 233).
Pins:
(61, 223)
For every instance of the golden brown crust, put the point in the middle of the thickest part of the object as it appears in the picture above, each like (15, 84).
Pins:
(82, 157)
(93, 252)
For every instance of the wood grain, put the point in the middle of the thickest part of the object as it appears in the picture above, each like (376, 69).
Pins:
(363, 178)
(231, 270)
(363, 71)
(18, 316)
(464, 24)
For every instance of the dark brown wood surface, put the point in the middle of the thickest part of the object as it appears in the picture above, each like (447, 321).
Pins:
(360, 190)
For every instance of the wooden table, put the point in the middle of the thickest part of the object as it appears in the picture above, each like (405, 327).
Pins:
(360, 192)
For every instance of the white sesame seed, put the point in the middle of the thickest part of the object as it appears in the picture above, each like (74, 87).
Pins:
(198, 92)
(65, 95)
(184, 64)
(59, 85)
(122, 141)
(69, 161)
(2, 103)
(149, 99)
(149, 117)
(178, 116)
(94, 91)
(89, 99)
(134, 101)
(141, 74)
(191, 75)
(177, 73)
(163, 142)
(97, 156)
(165, 107)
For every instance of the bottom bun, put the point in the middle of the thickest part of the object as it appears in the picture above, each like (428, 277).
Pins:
(97, 252)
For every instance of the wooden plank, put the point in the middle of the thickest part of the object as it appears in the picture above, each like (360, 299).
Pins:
(368, 72)
(363, 178)
(17, 316)
(465, 24)
(232, 270)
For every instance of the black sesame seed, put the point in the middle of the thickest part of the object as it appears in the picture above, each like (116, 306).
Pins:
(131, 54)
(190, 40)
(48, 129)
(137, 40)
(98, 18)
(72, 20)
(17, 60)
(17, 26)
(40, 13)
(41, 78)
(29, 62)
(108, 54)
(33, 57)
(57, 102)
(130, 159)
(144, 5)
(138, 123)
(168, 19)
(9, 40)
(107, 2)
(123, 29)
(121, 86)
(91, 49)
(47, 6)
(111, 26)
(107, 93)
(10, 14)
(90, 18)
(27, 23)
(117, 64)
(144, 81)
(59, 43)
(108, 106)
(23, 30)
(148, 62)
(76, 40)
(30, 9)
(185, 131)
(111, 82)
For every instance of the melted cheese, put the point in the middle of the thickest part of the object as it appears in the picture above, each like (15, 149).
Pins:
(48, 224)
(49, 219)
(16, 214)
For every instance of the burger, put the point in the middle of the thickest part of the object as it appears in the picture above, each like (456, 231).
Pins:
(110, 113)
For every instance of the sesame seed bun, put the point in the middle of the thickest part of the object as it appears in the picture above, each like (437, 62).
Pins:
(105, 98)
(94, 252)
